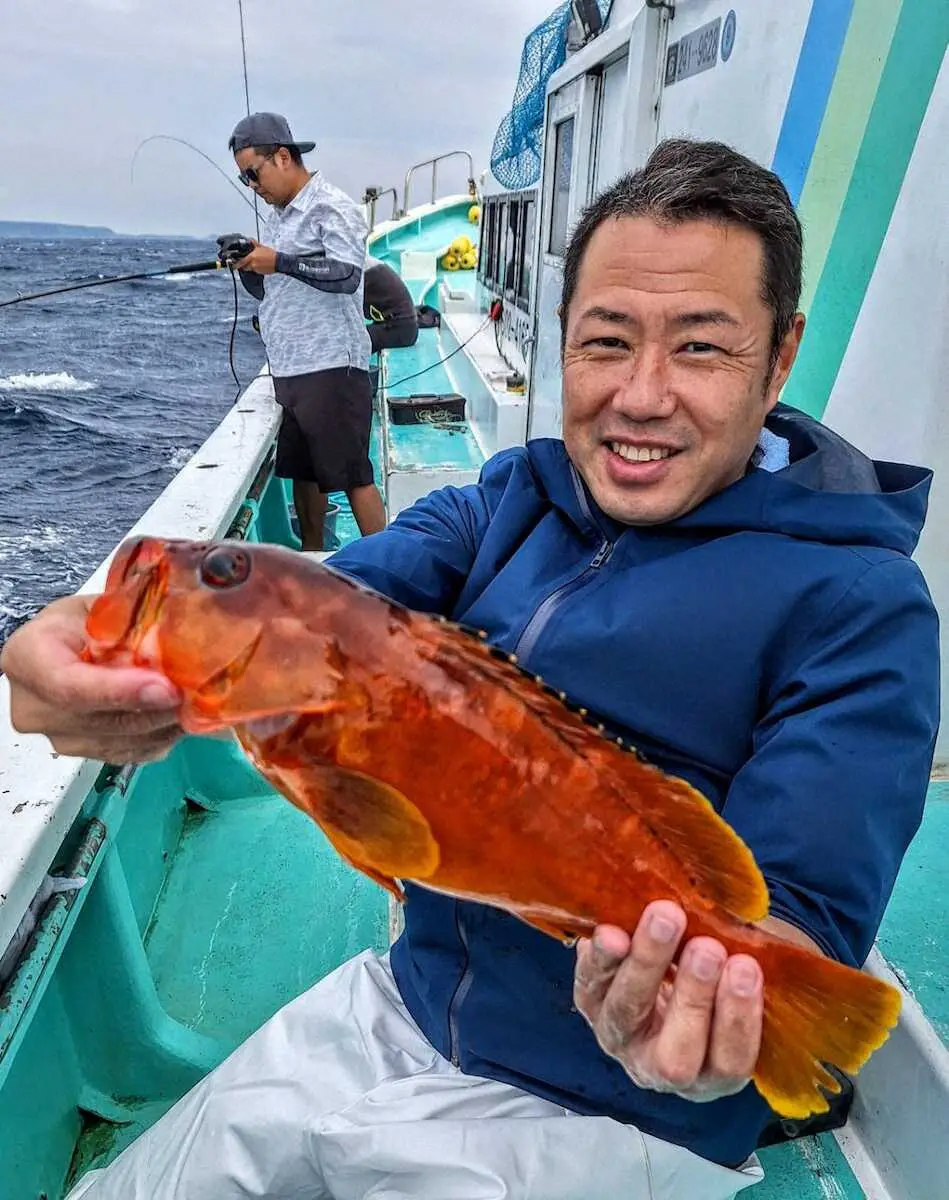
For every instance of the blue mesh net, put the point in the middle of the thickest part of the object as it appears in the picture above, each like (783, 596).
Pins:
(516, 153)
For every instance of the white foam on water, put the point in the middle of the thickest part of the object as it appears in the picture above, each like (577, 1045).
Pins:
(55, 381)
(43, 537)
(178, 457)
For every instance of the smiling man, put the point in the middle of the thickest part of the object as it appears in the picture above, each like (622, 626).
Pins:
(721, 581)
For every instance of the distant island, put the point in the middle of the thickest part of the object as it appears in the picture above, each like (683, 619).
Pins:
(51, 229)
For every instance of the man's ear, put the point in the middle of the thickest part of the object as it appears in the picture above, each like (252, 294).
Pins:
(787, 353)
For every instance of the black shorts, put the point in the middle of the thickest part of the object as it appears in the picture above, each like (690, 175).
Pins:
(393, 335)
(324, 434)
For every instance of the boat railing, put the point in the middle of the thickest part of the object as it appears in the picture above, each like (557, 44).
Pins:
(372, 198)
(433, 163)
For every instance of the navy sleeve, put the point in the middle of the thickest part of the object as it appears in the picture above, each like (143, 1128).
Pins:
(324, 274)
(834, 790)
(423, 558)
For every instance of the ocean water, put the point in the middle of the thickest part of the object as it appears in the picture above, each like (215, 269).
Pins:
(104, 395)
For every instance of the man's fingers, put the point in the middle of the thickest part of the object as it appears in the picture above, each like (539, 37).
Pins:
(120, 751)
(681, 1048)
(87, 687)
(736, 1025)
(49, 682)
(630, 1002)
(597, 963)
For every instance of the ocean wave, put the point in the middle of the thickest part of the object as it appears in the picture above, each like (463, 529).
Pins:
(53, 381)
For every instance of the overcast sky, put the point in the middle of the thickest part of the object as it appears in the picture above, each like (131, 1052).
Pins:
(377, 84)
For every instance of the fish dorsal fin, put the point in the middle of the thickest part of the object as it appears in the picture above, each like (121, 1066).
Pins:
(717, 860)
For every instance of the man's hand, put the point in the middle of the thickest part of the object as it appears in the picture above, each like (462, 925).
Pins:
(111, 714)
(262, 259)
(697, 1035)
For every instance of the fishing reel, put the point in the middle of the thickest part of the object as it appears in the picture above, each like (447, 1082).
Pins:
(233, 247)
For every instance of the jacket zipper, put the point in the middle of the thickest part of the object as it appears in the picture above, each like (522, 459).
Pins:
(461, 991)
(549, 605)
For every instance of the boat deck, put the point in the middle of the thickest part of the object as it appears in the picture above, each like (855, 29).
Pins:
(913, 936)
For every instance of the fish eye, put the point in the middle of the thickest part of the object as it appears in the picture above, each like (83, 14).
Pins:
(225, 568)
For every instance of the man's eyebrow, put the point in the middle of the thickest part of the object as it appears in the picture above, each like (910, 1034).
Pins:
(707, 316)
(598, 312)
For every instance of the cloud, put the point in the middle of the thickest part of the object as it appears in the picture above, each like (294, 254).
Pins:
(378, 84)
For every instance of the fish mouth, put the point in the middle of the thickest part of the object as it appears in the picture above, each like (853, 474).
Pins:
(124, 619)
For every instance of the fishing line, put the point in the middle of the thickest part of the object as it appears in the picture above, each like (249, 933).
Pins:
(230, 344)
(167, 137)
(432, 366)
(240, 13)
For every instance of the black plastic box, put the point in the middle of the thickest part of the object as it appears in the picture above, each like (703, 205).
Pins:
(426, 409)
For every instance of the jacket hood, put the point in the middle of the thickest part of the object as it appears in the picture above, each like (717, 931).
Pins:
(831, 492)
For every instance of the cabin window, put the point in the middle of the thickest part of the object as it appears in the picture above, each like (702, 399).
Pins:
(560, 206)
(509, 276)
(490, 243)
(528, 218)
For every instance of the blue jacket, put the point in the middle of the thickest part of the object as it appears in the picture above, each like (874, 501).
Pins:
(777, 647)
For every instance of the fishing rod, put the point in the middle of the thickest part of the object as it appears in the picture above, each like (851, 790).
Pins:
(237, 249)
(184, 269)
(167, 137)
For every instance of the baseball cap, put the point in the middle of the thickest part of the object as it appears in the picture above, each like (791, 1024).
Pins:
(265, 129)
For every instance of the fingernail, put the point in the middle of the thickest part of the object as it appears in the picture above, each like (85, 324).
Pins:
(156, 695)
(662, 929)
(705, 966)
(743, 979)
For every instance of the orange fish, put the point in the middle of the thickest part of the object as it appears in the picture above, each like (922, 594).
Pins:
(425, 755)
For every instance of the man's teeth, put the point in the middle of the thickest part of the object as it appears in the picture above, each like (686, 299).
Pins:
(639, 453)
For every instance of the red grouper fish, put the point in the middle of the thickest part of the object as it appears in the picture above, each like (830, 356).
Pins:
(425, 755)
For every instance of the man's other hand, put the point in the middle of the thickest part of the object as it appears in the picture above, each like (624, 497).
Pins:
(110, 714)
(696, 1034)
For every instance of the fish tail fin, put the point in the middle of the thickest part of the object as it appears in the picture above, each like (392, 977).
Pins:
(817, 1011)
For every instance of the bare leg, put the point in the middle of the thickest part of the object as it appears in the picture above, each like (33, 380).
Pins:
(368, 509)
(310, 504)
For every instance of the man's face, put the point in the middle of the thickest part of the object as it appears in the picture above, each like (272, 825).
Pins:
(667, 364)
(269, 176)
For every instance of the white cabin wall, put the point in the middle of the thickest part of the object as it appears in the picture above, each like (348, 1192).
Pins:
(742, 99)
(890, 395)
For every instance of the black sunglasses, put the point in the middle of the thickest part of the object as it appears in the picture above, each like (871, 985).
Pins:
(252, 174)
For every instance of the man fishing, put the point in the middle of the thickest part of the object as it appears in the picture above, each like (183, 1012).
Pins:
(308, 277)
(728, 586)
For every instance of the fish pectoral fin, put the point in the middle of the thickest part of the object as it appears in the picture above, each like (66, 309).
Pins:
(567, 933)
(717, 860)
(385, 881)
(375, 827)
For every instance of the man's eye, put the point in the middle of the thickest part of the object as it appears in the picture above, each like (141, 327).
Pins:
(700, 348)
(608, 343)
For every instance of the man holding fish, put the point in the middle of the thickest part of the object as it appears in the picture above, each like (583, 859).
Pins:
(722, 582)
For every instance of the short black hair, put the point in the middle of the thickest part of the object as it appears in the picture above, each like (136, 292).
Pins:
(686, 180)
